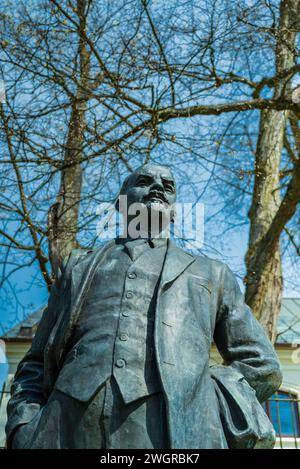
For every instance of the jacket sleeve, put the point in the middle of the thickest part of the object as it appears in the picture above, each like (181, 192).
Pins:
(27, 392)
(242, 341)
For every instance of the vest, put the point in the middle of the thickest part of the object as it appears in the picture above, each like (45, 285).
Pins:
(116, 323)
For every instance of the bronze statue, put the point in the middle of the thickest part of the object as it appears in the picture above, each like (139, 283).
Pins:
(121, 356)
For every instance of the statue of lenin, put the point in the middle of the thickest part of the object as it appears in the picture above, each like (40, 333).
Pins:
(121, 356)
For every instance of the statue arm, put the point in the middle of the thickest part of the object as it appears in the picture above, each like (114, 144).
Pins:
(242, 341)
(27, 391)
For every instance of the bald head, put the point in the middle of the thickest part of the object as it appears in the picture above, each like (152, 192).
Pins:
(148, 169)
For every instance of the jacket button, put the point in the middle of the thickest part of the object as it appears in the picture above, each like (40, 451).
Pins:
(120, 363)
(129, 294)
(123, 337)
(125, 314)
(132, 275)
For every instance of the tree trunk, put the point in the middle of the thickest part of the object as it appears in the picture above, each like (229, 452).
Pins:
(263, 280)
(63, 215)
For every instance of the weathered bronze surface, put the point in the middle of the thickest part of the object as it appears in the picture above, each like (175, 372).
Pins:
(121, 356)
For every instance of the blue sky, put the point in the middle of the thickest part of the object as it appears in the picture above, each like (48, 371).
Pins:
(230, 248)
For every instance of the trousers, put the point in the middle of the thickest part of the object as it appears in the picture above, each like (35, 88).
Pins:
(105, 422)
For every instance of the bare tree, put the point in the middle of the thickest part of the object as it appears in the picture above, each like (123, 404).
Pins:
(95, 88)
(270, 212)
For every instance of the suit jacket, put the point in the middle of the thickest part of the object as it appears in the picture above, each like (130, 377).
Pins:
(198, 301)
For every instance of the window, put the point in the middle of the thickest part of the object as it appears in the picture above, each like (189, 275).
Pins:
(25, 331)
(283, 411)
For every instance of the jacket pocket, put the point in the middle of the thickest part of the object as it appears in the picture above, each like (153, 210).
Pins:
(84, 370)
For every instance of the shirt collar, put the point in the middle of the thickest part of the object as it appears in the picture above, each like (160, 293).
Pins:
(153, 242)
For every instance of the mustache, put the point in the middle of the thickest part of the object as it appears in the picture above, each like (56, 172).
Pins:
(157, 194)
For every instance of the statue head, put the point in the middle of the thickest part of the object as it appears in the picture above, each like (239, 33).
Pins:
(153, 187)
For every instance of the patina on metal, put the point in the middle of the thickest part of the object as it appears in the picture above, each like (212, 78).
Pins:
(121, 356)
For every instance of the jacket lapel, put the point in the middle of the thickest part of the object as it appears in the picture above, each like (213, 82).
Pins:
(177, 260)
(81, 278)
(83, 272)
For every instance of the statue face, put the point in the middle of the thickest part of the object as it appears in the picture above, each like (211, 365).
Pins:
(153, 186)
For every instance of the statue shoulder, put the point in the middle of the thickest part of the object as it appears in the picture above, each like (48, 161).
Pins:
(75, 256)
(213, 268)
(213, 264)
